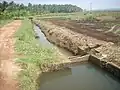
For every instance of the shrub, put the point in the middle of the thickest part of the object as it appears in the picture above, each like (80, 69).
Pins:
(90, 18)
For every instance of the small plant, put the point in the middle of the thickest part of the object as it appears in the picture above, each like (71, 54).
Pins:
(18, 18)
(90, 18)
(30, 17)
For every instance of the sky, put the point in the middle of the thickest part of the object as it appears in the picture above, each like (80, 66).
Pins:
(84, 4)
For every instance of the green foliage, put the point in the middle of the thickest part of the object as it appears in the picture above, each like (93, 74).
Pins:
(3, 6)
(3, 22)
(28, 78)
(67, 8)
(30, 17)
(64, 16)
(90, 18)
(11, 9)
(113, 14)
(33, 56)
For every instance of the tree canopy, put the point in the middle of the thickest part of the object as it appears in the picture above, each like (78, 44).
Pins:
(11, 9)
(67, 8)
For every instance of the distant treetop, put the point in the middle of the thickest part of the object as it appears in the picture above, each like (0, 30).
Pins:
(39, 8)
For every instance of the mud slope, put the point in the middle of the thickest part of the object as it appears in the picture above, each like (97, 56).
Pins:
(7, 66)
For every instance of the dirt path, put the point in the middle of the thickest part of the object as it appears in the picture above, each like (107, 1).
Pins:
(7, 66)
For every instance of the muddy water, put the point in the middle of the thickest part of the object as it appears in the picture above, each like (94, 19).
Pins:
(46, 43)
(82, 77)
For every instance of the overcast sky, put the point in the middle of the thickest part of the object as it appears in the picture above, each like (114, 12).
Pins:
(85, 4)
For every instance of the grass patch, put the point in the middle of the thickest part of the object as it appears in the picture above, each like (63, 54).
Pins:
(3, 22)
(33, 56)
(102, 15)
(65, 16)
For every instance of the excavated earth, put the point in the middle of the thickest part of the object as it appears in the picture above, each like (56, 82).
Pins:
(82, 38)
(98, 30)
(107, 31)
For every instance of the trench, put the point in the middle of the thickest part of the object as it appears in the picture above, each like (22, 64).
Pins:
(77, 77)
(46, 43)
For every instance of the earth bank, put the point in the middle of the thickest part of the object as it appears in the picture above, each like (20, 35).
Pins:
(107, 53)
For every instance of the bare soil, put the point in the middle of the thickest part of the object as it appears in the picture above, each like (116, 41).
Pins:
(77, 43)
(93, 29)
(69, 35)
(8, 69)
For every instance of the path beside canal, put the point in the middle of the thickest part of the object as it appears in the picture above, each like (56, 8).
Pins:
(8, 68)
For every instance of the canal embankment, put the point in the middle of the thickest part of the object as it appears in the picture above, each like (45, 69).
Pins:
(99, 51)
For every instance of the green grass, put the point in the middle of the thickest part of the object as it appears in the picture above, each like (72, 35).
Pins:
(81, 15)
(3, 22)
(71, 16)
(32, 56)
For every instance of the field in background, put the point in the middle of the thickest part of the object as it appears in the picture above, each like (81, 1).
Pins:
(81, 15)
(101, 25)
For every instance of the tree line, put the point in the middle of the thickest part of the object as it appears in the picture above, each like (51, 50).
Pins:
(11, 9)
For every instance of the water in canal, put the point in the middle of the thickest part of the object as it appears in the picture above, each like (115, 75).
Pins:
(81, 77)
(42, 37)
(46, 43)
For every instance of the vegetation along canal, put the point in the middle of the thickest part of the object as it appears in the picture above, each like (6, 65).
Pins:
(82, 77)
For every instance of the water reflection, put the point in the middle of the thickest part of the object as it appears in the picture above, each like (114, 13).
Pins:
(54, 75)
(81, 77)
(42, 37)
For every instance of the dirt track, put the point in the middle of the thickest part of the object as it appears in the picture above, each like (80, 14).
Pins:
(89, 30)
(7, 67)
